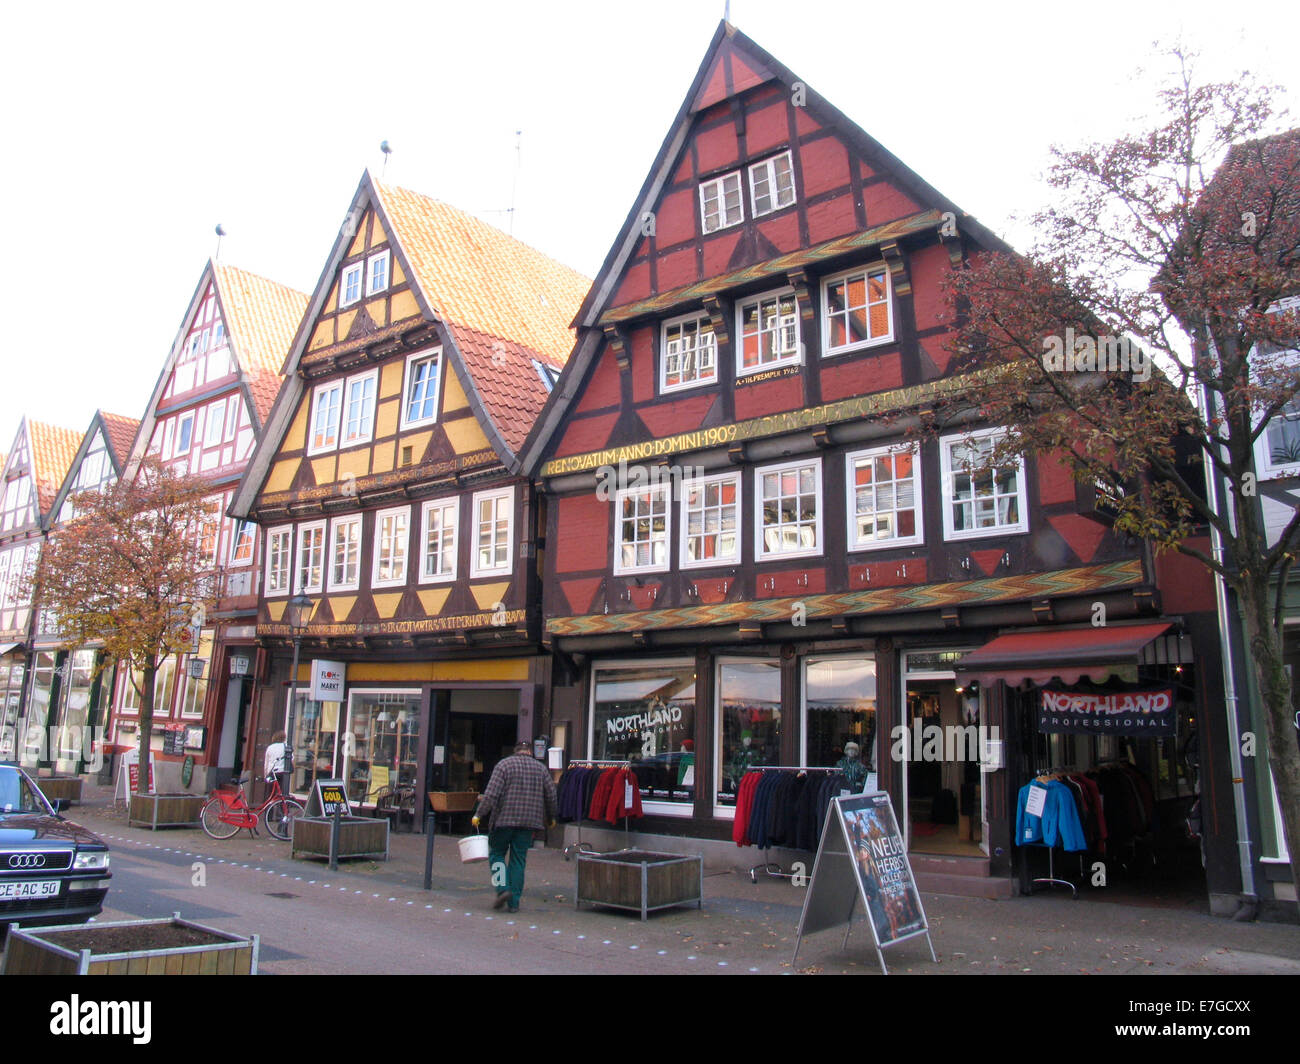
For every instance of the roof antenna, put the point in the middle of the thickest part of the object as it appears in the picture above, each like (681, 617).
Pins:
(519, 133)
(387, 150)
(220, 231)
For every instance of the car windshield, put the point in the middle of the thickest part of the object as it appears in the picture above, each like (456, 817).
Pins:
(17, 795)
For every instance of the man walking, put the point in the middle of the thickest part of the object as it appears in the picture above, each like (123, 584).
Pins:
(520, 797)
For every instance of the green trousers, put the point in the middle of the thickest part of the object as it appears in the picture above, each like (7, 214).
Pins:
(509, 876)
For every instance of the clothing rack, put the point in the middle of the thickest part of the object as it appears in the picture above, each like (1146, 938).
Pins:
(766, 867)
(1051, 878)
(587, 762)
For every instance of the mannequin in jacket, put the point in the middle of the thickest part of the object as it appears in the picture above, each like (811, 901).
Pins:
(743, 758)
(852, 767)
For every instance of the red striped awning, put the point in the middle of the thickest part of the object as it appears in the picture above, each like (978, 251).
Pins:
(1069, 655)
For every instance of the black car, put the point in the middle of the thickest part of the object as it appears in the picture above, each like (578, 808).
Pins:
(51, 870)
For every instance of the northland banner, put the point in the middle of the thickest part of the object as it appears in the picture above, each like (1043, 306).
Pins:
(1139, 711)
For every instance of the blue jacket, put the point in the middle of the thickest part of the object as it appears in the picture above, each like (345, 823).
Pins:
(1059, 824)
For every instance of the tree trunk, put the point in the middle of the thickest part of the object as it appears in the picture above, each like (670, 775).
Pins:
(1265, 642)
(146, 725)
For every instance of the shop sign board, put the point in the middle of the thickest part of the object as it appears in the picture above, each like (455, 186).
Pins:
(1147, 711)
(327, 678)
(861, 856)
(328, 796)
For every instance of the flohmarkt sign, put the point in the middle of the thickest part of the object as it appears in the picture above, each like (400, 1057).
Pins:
(327, 679)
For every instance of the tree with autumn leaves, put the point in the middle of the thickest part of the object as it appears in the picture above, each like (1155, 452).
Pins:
(1149, 339)
(127, 573)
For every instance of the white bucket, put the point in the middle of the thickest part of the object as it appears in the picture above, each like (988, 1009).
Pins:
(473, 848)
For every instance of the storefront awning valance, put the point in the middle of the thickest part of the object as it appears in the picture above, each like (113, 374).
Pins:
(1065, 654)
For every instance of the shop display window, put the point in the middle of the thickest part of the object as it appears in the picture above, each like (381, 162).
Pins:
(385, 744)
(11, 696)
(840, 708)
(33, 742)
(76, 708)
(315, 727)
(646, 715)
(749, 715)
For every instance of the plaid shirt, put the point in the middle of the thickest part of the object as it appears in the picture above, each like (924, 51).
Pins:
(520, 794)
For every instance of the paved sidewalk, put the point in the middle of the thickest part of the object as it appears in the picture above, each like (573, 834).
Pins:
(745, 926)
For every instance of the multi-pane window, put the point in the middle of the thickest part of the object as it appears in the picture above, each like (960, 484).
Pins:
(857, 310)
(18, 510)
(771, 184)
(438, 544)
(721, 202)
(279, 551)
(359, 416)
(377, 273)
(345, 554)
(690, 354)
(216, 423)
(884, 502)
(325, 417)
(350, 286)
(711, 521)
(420, 397)
(641, 519)
(210, 530)
(769, 331)
(311, 557)
(981, 496)
(493, 513)
(788, 509)
(392, 537)
(184, 435)
(241, 544)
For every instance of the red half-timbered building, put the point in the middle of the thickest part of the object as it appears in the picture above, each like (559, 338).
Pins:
(387, 488)
(749, 561)
(207, 412)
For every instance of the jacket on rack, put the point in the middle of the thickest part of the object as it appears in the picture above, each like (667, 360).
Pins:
(1058, 824)
(624, 796)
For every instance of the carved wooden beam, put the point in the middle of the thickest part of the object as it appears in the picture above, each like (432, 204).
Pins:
(897, 264)
(719, 318)
(617, 341)
(952, 242)
(803, 288)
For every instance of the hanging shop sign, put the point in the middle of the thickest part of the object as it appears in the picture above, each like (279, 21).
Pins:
(327, 680)
(861, 855)
(1137, 711)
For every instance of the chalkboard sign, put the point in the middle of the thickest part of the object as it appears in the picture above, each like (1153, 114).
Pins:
(861, 855)
(174, 741)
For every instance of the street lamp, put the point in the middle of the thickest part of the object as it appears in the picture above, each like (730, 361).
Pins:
(296, 614)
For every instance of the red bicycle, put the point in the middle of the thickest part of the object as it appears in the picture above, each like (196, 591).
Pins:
(226, 811)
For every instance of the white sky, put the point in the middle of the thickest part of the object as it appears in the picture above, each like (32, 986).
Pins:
(131, 129)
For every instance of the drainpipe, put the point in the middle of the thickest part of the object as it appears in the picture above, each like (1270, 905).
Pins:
(1250, 900)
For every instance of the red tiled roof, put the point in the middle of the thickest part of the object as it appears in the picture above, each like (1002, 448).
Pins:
(121, 432)
(262, 318)
(52, 450)
(505, 302)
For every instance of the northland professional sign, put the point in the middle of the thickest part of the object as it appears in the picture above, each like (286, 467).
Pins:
(327, 680)
(1138, 711)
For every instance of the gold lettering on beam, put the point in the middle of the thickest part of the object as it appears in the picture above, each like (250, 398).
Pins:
(414, 627)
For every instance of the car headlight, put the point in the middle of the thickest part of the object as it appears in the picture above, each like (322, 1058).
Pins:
(91, 860)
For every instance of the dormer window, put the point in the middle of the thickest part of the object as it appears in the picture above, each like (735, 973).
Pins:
(721, 203)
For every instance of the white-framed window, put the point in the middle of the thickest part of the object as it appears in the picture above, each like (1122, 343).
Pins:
(857, 310)
(788, 510)
(210, 529)
(768, 330)
(711, 521)
(721, 202)
(184, 438)
(279, 555)
(884, 497)
(641, 517)
(311, 558)
(493, 518)
(242, 543)
(326, 405)
(392, 543)
(771, 184)
(690, 353)
(420, 394)
(216, 424)
(980, 499)
(350, 283)
(438, 541)
(1277, 448)
(377, 272)
(345, 553)
(359, 407)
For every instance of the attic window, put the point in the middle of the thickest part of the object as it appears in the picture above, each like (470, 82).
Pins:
(350, 288)
(548, 374)
(721, 203)
(420, 393)
(771, 184)
(376, 273)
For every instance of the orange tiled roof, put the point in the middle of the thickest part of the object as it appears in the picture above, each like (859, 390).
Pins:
(52, 450)
(505, 302)
(262, 318)
(121, 432)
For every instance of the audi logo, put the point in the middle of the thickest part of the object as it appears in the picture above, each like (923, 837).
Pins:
(27, 860)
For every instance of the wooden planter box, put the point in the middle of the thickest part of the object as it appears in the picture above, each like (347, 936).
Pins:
(639, 880)
(165, 810)
(359, 836)
(66, 787)
(183, 948)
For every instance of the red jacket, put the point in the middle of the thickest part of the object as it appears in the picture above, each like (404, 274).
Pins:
(615, 806)
(600, 796)
(744, 806)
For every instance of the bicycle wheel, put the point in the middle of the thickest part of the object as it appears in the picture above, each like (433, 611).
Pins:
(211, 820)
(278, 817)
